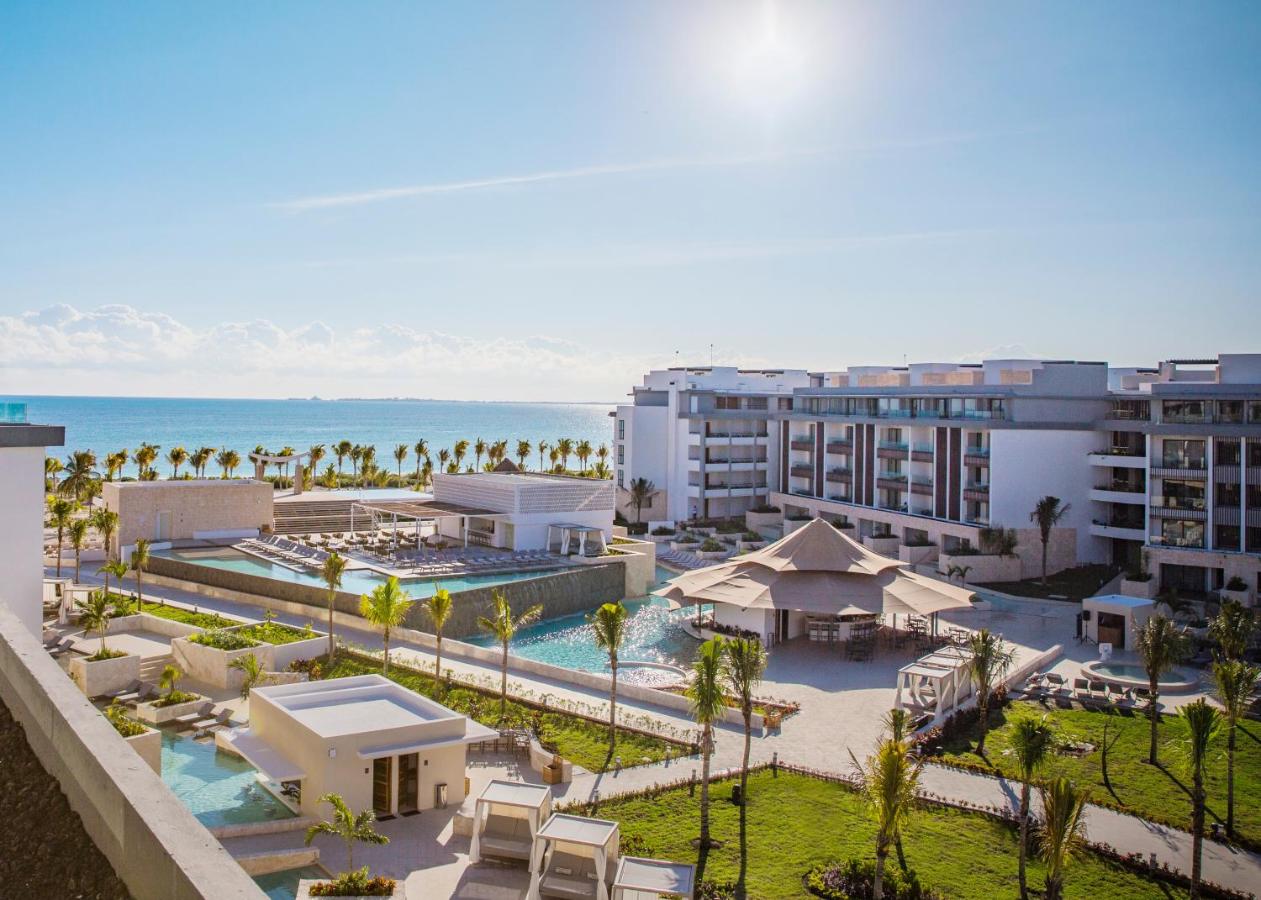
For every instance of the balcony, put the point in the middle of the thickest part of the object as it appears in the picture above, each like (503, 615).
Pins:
(1110, 495)
(840, 476)
(801, 471)
(922, 452)
(801, 443)
(976, 456)
(840, 447)
(1160, 540)
(1119, 532)
(12, 413)
(892, 450)
(1226, 515)
(1117, 460)
(976, 491)
(1226, 474)
(922, 486)
(891, 481)
(1188, 468)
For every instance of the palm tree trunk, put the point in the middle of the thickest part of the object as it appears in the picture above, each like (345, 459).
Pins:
(744, 762)
(332, 646)
(139, 592)
(1044, 545)
(59, 532)
(877, 884)
(437, 662)
(503, 685)
(385, 669)
(1154, 714)
(1230, 781)
(1024, 840)
(76, 565)
(613, 707)
(983, 720)
(1197, 833)
(706, 750)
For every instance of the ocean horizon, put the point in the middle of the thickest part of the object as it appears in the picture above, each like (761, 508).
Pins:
(108, 424)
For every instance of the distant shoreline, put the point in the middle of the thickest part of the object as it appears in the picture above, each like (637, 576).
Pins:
(21, 397)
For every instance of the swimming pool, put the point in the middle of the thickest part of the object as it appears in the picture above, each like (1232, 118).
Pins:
(219, 789)
(1134, 675)
(356, 581)
(284, 885)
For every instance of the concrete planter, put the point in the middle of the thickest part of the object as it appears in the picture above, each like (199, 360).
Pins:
(791, 525)
(104, 676)
(885, 546)
(759, 520)
(704, 531)
(659, 538)
(304, 891)
(750, 545)
(1241, 597)
(213, 666)
(160, 715)
(711, 554)
(918, 556)
(690, 547)
(982, 567)
(155, 625)
(1145, 589)
(149, 746)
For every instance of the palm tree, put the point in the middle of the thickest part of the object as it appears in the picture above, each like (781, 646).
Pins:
(426, 473)
(461, 451)
(351, 828)
(115, 567)
(176, 456)
(1232, 628)
(168, 681)
(315, 455)
(709, 702)
(368, 460)
(140, 559)
(743, 667)
(78, 529)
(1031, 741)
(565, 446)
(400, 454)
(543, 447)
(443, 455)
(105, 521)
(1062, 833)
(1203, 724)
(1161, 645)
(888, 782)
(1046, 514)
(341, 451)
(1234, 681)
(201, 458)
(144, 457)
(228, 460)
(114, 463)
(95, 614)
(990, 661)
(421, 449)
(252, 672)
(331, 573)
(80, 470)
(52, 466)
(479, 447)
(503, 626)
(385, 608)
(583, 452)
(356, 454)
(438, 608)
(60, 515)
(523, 452)
(553, 456)
(608, 624)
(641, 492)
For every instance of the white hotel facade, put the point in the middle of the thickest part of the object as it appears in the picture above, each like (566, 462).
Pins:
(1161, 467)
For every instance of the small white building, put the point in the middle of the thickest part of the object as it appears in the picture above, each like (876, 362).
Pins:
(1115, 619)
(377, 744)
(191, 509)
(22, 448)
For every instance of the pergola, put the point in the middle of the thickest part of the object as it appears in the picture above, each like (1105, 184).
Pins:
(571, 857)
(649, 879)
(418, 512)
(263, 460)
(936, 684)
(506, 818)
(567, 533)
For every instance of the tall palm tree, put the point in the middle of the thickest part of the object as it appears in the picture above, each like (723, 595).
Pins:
(78, 530)
(1062, 833)
(608, 625)
(502, 625)
(115, 567)
(145, 456)
(400, 454)
(1232, 628)
(443, 456)
(888, 782)
(52, 468)
(169, 680)
(341, 450)
(479, 447)
(641, 493)
(523, 453)
(176, 456)
(114, 464)
(602, 453)
(385, 608)
(426, 473)
(1234, 681)
(1203, 724)
(553, 456)
(543, 446)
(356, 454)
(421, 448)
(565, 447)
(140, 559)
(331, 570)
(991, 658)
(1031, 741)
(95, 614)
(461, 451)
(438, 608)
(105, 521)
(1046, 514)
(228, 460)
(315, 455)
(709, 701)
(583, 452)
(80, 471)
(351, 828)
(201, 458)
(60, 514)
(284, 466)
(1161, 645)
(743, 666)
(601, 470)
(368, 461)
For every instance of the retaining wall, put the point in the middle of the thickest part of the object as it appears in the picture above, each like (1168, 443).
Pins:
(154, 843)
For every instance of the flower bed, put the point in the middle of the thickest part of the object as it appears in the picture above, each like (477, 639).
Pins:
(96, 677)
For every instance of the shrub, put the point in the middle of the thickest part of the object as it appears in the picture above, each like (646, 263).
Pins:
(354, 884)
(274, 633)
(853, 880)
(716, 890)
(637, 528)
(750, 536)
(842, 524)
(712, 546)
(1236, 584)
(175, 697)
(223, 640)
(123, 723)
(763, 508)
(729, 527)
(662, 530)
(313, 668)
(106, 653)
(689, 539)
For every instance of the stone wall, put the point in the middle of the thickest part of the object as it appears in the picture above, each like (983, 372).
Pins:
(198, 507)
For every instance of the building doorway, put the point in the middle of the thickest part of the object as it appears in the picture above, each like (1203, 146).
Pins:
(381, 787)
(408, 784)
(1110, 629)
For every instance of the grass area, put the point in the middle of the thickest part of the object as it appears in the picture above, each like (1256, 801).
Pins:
(275, 633)
(581, 741)
(1075, 583)
(223, 640)
(126, 606)
(1158, 792)
(794, 822)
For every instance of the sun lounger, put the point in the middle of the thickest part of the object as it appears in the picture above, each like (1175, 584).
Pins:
(65, 645)
(204, 711)
(132, 688)
(146, 691)
(212, 722)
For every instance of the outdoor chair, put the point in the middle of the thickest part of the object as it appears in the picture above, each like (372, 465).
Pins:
(129, 689)
(1120, 696)
(65, 645)
(146, 691)
(212, 722)
(206, 709)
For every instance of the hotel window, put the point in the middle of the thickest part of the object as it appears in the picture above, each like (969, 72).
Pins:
(1253, 537)
(1178, 533)
(620, 478)
(1254, 412)
(1226, 453)
(621, 429)
(755, 403)
(1254, 496)
(727, 402)
(785, 404)
(1226, 494)
(1179, 454)
(1253, 454)
(1230, 412)
(1184, 411)
(1180, 494)
(1226, 537)
(621, 454)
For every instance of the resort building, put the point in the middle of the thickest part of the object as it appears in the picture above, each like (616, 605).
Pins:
(196, 509)
(22, 449)
(380, 746)
(702, 436)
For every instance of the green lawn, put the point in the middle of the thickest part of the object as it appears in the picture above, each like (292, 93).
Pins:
(1154, 792)
(1075, 583)
(274, 633)
(794, 822)
(126, 606)
(581, 741)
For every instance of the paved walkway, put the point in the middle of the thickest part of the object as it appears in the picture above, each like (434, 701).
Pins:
(841, 711)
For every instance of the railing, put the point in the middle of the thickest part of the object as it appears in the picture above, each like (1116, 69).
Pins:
(1192, 503)
(1122, 487)
(1162, 541)
(892, 476)
(12, 413)
(801, 471)
(981, 486)
(1178, 461)
(840, 446)
(893, 445)
(928, 448)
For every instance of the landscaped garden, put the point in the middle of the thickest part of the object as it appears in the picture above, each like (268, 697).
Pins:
(1072, 584)
(795, 822)
(126, 606)
(584, 742)
(1160, 793)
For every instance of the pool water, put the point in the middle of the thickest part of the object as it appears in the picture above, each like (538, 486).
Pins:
(219, 789)
(1136, 672)
(284, 885)
(652, 634)
(356, 581)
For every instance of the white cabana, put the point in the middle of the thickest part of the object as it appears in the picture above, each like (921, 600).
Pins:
(936, 684)
(569, 531)
(649, 879)
(506, 819)
(572, 858)
(1115, 619)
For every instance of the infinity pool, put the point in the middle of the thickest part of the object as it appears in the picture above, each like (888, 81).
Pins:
(356, 581)
(284, 885)
(217, 788)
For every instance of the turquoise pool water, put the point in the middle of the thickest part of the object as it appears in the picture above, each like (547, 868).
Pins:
(653, 635)
(217, 788)
(357, 581)
(284, 885)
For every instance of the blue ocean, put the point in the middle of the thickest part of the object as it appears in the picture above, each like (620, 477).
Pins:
(108, 424)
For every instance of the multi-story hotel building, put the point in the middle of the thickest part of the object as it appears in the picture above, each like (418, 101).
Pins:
(1160, 468)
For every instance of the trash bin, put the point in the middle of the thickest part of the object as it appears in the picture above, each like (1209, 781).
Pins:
(440, 795)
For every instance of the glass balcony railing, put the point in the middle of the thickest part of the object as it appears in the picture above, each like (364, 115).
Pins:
(892, 476)
(922, 448)
(893, 445)
(1192, 503)
(12, 413)
(1179, 461)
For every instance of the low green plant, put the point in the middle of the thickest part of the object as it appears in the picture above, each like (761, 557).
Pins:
(354, 884)
(270, 632)
(662, 531)
(220, 639)
(854, 879)
(123, 723)
(712, 546)
(105, 653)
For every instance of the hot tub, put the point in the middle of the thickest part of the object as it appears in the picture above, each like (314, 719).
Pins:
(1131, 675)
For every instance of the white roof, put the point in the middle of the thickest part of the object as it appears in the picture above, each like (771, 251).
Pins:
(1119, 600)
(516, 793)
(361, 704)
(578, 830)
(655, 875)
(263, 756)
(473, 733)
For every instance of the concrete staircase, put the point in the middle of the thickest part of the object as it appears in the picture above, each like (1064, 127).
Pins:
(305, 516)
(151, 667)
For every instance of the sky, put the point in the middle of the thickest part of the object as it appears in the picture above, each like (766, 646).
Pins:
(542, 201)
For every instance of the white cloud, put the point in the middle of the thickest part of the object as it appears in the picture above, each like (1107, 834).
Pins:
(121, 350)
